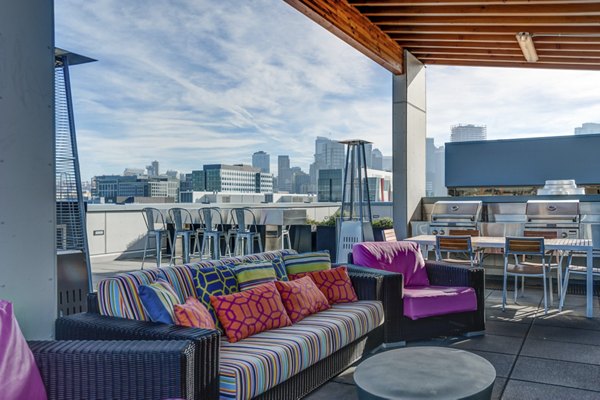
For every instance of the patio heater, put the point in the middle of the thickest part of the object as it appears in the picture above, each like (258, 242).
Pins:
(74, 277)
(355, 222)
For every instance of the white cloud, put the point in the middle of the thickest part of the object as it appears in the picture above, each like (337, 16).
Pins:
(190, 82)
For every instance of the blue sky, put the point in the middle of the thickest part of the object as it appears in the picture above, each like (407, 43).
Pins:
(192, 82)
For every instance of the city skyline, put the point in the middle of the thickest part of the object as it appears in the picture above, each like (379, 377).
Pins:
(195, 103)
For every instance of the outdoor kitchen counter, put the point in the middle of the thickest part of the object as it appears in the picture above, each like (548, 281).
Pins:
(490, 242)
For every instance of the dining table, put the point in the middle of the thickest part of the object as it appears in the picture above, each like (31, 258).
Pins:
(498, 242)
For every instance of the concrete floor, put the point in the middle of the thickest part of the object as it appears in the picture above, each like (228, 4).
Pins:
(536, 356)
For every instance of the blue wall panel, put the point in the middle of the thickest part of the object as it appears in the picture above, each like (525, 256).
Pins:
(523, 162)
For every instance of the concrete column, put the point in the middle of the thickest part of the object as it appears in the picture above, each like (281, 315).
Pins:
(27, 197)
(409, 125)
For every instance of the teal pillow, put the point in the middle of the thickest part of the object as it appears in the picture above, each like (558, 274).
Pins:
(214, 281)
(159, 299)
(307, 262)
(253, 274)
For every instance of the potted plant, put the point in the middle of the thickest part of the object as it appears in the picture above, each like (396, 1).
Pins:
(379, 225)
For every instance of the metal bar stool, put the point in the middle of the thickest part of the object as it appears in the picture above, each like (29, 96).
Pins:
(285, 237)
(155, 226)
(213, 233)
(180, 218)
(247, 231)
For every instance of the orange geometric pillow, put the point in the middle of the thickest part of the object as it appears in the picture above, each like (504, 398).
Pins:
(250, 312)
(301, 298)
(193, 314)
(335, 285)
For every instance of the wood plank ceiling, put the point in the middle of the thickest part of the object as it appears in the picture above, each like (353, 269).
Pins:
(565, 33)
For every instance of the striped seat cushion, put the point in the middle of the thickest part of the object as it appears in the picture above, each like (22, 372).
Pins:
(118, 296)
(256, 364)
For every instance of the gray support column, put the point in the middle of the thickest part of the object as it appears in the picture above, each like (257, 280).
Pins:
(27, 196)
(409, 125)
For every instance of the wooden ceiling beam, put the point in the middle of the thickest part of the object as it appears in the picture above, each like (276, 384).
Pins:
(500, 45)
(505, 10)
(522, 20)
(501, 58)
(507, 64)
(346, 22)
(491, 30)
(384, 3)
(481, 52)
(495, 38)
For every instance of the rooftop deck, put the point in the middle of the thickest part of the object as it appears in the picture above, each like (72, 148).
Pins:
(535, 355)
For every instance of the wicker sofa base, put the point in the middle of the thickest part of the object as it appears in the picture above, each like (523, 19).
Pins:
(317, 374)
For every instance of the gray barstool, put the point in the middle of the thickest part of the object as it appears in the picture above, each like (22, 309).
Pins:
(213, 233)
(285, 237)
(155, 226)
(247, 231)
(180, 218)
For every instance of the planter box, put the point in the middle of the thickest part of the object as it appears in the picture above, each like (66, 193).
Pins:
(326, 240)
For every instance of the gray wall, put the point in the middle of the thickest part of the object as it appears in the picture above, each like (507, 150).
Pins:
(409, 124)
(523, 162)
(27, 198)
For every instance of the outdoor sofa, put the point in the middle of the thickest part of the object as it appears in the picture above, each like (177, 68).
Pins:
(285, 363)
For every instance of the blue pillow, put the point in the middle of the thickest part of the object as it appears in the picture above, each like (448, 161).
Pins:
(159, 299)
(214, 281)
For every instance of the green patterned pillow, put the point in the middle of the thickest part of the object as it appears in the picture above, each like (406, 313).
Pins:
(306, 262)
(253, 274)
(214, 281)
(279, 267)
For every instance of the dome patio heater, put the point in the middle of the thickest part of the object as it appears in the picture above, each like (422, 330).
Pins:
(355, 222)
(74, 277)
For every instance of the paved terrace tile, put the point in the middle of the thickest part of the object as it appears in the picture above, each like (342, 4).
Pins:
(536, 355)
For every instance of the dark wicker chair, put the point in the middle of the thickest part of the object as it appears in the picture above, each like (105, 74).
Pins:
(369, 285)
(92, 369)
(439, 274)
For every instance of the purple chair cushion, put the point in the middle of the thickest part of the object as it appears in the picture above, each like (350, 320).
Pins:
(428, 301)
(402, 257)
(20, 377)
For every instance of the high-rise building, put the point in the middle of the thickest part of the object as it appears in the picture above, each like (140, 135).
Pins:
(153, 169)
(284, 174)
(377, 159)
(468, 133)
(198, 181)
(237, 178)
(387, 163)
(262, 160)
(113, 186)
(434, 170)
(329, 187)
(588, 128)
(369, 154)
(329, 154)
(133, 172)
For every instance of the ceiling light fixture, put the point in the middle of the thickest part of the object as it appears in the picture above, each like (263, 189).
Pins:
(525, 40)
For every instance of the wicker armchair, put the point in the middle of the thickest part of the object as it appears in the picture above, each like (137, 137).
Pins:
(400, 328)
(92, 369)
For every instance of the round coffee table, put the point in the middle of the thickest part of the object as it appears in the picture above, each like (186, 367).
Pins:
(425, 373)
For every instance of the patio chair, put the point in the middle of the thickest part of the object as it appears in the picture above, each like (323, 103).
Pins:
(525, 246)
(213, 233)
(181, 218)
(459, 246)
(553, 255)
(156, 227)
(247, 233)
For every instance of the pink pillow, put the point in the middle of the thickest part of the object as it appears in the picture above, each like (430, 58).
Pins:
(193, 314)
(250, 312)
(20, 378)
(335, 284)
(403, 257)
(301, 298)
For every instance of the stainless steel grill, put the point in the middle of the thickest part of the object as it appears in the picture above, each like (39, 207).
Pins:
(558, 216)
(449, 215)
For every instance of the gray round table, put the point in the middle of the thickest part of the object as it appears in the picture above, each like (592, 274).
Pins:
(425, 373)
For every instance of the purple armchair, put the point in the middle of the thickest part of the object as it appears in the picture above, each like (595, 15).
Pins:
(437, 299)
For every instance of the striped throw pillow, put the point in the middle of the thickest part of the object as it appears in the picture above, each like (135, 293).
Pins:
(253, 274)
(307, 262)
(159, 299)
(193, 314)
